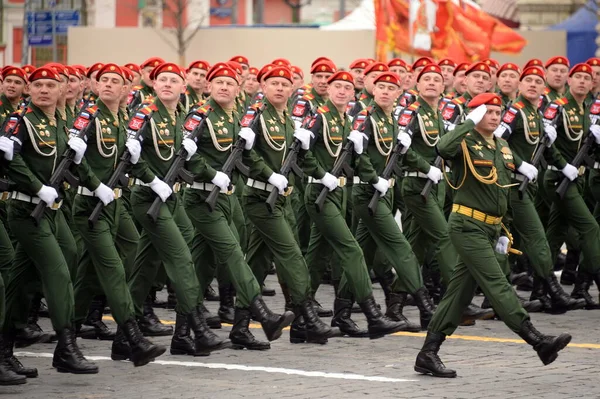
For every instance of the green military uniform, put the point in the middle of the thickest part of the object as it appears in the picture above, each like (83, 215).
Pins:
(453, 112)
(189, 98)
(363, 100)
(7, 252)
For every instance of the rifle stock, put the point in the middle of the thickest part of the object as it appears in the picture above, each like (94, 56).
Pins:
(289, 166)
(429, 183)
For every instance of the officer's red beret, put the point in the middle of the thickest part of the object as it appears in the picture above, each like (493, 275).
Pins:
(485, 99)
(480, 67)
(222, 69)
(492, 63)
(128, 73)
(594, 61)
(298, 70)
(389, 77)
(397, 62)
(323, 67)
(240, 59)
(279, 72)
(152, 62)
(461, 67)
(432, 68)
(110, 68)
(558, 60)
(585, 68)
(200, 64)
(236, 66)
(341, 75)
(28, 68)
(44, 73)
(94, 68)
(421, 62)
(168, 67)
(264, 70)
(360, 63)
(133, 67)
(73, 71)
(447, 62)
(282, 62)
(252, 71)
(10, 70)
(509, 66)
(533, 70)
(533, 62)
(60, 68)
(319, 59)
(376, 67)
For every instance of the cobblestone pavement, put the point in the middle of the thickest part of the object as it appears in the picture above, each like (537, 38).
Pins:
(490, 360)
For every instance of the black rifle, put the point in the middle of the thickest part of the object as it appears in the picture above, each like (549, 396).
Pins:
(62, 173)
(137, 125)
(584, 156)
(235, 159)
(8, 129)
(429, 184)
(289, 165)
(390, 169)
(193, 126)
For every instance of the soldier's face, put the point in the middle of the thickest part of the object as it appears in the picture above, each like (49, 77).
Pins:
(409, 81)
(169, 87)
(319, 81)
(45, 92)
(596, 79)
(13, 87)
(224, 90)
(448, 75)
(251, 85)
(298, 81)
(359, 77)
(196, 78)
(385, 94)
(508, 82)
(532, 87)
(557, 75)
(74, 87)
(460, 84)
(494, 79)
(477, 82)
(431, 85)
(340, 93)
(111, 87)
(491, 119)
(93, 83)
(146, 75)
(369, 81)
(581, 83)
(137, 78)
(400, 71)
(277, 90)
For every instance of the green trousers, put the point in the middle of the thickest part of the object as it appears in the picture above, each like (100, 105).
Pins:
(477, 266)
(167, 240)
(45, 252)
(216, 244)
(273, 236)
(380, 233)
(303, 223)
(113, 238)
(331, 235)
(7, 252)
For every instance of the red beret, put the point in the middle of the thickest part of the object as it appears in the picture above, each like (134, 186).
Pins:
(479, 66)
(397, 62)
(167, 67)
(360, 63)
(492, 63)
(133, 67)
(389, 77)
(221, 69)
(585, 68)
(10, 70)
(298, 70)
(533, 62)
(485, 99)
(73, 71)
(433, 68)
(421, 62)
(264, 70)
(240, 59)
(509, 66)
(110, 68)
(44, 73)
(152, 62)
(341, 75)
(279, 72)
(199, 64)
(281, 62)
(319, 59)
(534, 70)
(94, 68)
(252, 71)
(323, 66)
(236, 66)
(594, 61)
(128, 73)
(60, 68)
(28, 68)
(376, 67)
(461, 67)
(558, 60)
(447, 62)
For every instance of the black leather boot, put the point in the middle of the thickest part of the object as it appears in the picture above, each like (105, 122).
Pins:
(395, 306)
(569, 272)
(379, 325)
(272, 323)
(265, 291)
(8, 374)
(428, 361)
(171, 297)
(142, 350)
(581, 290)
(28, 336)
(342, 319)
(560, 301)
(120, 347)
(474, 312)
(210, 294)
(182, 343)
(240, 335)
(150, 325)
(32, 320)
(205, 340)
(531, 306)
(11, 362)
(94, 319)
(67, 356)
(213, 321)
(425, 305)
(320, 310)
(546, 346)
(287, 297)
(540, 293)
(298, 328)
(316, 330)
(226, 312)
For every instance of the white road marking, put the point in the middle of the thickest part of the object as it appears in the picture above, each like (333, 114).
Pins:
(241, 367)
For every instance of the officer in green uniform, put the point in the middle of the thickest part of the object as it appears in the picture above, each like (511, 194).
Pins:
(45, 250)
(271, 231)
(168, 238)
(196, 84)
(573, 127)
(522, 128)
(481, 166)
(145, 92)
(380, 232)
(371, 72)
(508, 83)
(243, 101)
(329, 232)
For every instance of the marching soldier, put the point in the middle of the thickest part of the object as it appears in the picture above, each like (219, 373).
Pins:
(252, 85)
(557, 74)
(594, 62)
(448, 67)
(145, 91)
(371, 72)
(481, 167)
(398, 66)
(508, 83)
(307, 104)
(196, 84)
(136, 71)
(298, 77)
(494, 67)
(357, 70)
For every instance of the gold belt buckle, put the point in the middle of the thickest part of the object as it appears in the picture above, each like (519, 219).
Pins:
(229, 192)
(66, 185)
(392, 182)
(288, 191)
(56, 206)
(131, 182)
(342, 181)
(117, 192)
(176, 187)
(581, 170)
(5, 195)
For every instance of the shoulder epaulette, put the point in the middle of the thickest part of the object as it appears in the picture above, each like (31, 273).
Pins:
(414, 106)
(518, 105)
(561, 101)
(546, 91)
(363, 96)
(138, 87)
(322, 109)
(308, 96)
(413, 92)
(459, 100)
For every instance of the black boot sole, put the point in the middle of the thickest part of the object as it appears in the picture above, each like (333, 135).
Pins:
(433, 373)
(16, 381)
(561, 342)
(146, 333)
(145, 358)
(62, 369)
(177, 352)
(207, 351)
(250, 347)
(283, 322)
(118, 357)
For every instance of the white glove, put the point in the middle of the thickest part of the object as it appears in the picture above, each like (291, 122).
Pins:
(279, 181)
(528, 170)
(405, 140)
(297, 125)
(48, 195)
(477, 114)
(502, 245)
(135, 150)
(105, 194)
(382, 185)
(79, 146)
(247, 134)
(434, 174)
(7, 147)
(161, 188)
(358, 139)
(570, 171)
(499, 132)
(329, 181)
(595, 129)
(551, 134)
(190, 147)
(222, 181)
(304, 137)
